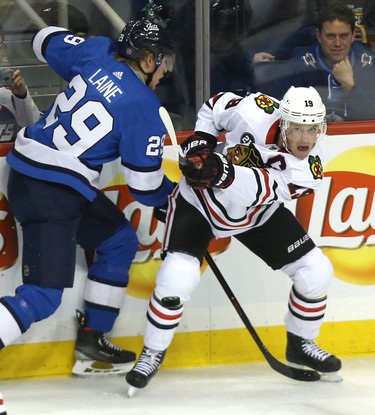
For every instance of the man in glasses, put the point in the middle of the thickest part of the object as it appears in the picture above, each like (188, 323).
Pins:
(340, 68)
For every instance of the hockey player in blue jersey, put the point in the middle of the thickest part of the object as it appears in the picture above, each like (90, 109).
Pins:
(107, 111)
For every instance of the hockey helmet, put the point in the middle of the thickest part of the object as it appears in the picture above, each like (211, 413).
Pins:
(302, 105)
(140, 35)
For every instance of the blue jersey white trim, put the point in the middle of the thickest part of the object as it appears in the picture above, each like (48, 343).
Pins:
(97, 118)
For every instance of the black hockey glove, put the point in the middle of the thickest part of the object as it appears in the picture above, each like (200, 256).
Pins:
(197, 142)
(206, 169)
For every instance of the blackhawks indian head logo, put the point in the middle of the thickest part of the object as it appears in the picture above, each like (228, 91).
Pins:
(245, 155)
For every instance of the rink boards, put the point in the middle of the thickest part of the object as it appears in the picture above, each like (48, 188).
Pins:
(340, 218)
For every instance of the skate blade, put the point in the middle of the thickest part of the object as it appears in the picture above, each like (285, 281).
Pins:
(132, 390)
(333, 377)
(96, 368)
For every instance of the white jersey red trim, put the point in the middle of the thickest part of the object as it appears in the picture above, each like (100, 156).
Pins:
(265, 174)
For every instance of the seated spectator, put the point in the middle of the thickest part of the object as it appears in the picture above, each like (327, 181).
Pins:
(230, 61)
(17, 108)
(339, 68)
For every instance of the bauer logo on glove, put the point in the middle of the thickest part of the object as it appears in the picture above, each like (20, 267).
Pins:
(197, 142)
(205, 169)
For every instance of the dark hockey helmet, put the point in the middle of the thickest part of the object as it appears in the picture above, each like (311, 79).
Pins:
(140, 35)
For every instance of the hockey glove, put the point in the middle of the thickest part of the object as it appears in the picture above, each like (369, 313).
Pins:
(206, 169)
(197, 142)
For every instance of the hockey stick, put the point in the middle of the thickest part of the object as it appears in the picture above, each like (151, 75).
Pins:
(165, 117)
(288, 371)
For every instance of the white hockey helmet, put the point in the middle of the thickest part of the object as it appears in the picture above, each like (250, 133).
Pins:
(302, 105)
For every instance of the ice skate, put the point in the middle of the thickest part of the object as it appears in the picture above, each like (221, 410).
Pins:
(302, 352)
(2, 406)
(97, 356)
(146, 367)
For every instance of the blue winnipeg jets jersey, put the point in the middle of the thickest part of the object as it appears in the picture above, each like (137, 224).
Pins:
(105, 112)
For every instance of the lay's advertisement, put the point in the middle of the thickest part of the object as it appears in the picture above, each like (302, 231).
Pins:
(340, 218)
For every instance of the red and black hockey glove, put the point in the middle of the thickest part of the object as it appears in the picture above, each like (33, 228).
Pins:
(205, 169)
(197, 142)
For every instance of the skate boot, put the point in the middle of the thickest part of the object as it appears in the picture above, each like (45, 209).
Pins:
(305, 352)
(96, 355)
(146, 367)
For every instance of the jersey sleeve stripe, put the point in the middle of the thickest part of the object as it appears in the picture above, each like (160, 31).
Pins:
(42, 38)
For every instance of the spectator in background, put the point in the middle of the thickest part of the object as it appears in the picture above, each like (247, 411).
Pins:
(339, 68)
(303, 37)
(17, 108)
(231, 62)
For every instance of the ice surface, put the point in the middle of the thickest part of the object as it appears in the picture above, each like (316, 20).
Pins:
(251, 389)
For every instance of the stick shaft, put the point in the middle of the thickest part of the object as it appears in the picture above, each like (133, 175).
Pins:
(167, 121)
(291, 372)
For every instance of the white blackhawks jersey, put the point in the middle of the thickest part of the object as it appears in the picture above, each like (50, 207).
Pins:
(265, 174)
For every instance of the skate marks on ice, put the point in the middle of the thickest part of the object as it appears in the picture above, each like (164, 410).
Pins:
(251, 389)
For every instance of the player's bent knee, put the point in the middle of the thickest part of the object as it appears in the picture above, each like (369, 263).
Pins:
(120, 247)
(313, 277)
(36, 303)
(115, 256)
(178, 276)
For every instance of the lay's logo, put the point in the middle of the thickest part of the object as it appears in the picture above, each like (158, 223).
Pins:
(340, 217)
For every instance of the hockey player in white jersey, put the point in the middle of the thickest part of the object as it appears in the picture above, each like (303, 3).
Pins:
(107, 111)
(270, 153)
